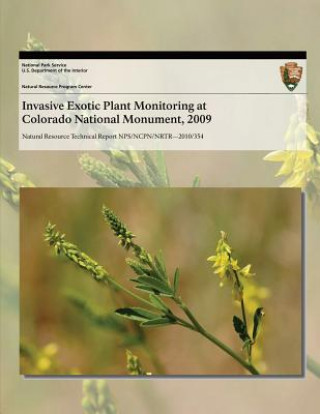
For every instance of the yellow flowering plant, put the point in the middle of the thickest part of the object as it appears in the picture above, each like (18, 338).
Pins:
(301, 158)
(227, 267)
(159, 292)
(42, 360)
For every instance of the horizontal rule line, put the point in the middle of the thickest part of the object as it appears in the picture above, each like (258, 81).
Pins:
(172, 54)
(164, 93)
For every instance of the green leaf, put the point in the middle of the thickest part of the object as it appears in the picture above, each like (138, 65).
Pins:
(240, 328)
(246, 345)
(152, 170)
(160, 266)
(161, 165)
(157, 322)
(146, 289)
(136, 314)
(257, 322)
(101, 320)
(176, 280)
(107, 322)
(155, 284)
(196, 181)
(158, 303)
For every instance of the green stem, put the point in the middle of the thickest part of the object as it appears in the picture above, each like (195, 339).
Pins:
(243, 311)
(117, 285)
(199, 328)
(127, 291)
(196, 326)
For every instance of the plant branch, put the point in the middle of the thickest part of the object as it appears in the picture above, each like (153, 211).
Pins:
(243, 311)
(118, 286)
(200, 329)
(152, 277)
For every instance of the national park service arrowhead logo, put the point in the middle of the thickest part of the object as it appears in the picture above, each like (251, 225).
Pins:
(291, 75)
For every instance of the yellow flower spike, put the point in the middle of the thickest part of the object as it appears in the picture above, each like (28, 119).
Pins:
(43, 364)
(50, 349)
(301, 161)
(246, 294)
(223, 263)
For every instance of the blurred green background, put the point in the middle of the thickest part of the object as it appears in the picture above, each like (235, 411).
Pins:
(264, 227)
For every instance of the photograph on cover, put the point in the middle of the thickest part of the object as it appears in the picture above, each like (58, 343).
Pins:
(161, 282)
